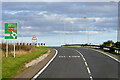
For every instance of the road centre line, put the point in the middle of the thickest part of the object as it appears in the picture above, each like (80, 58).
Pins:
(69, 56)
(45, 66)
(88, 69)
(86, 63)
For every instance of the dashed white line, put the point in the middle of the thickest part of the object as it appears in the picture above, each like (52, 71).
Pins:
(69, 56)
(91, 77)
(88, 69)
(84, 59)
(45, 66)
(86, 63)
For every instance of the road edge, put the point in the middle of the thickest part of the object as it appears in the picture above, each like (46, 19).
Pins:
(106, 54)
(33, 70)
(35, 76)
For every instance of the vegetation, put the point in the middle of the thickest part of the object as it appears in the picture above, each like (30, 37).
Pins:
(111, 44)
(13, 66)
(18, 49)
(117, 44)
(108, 43)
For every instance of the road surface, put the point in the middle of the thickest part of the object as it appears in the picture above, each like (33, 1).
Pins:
(81, 64)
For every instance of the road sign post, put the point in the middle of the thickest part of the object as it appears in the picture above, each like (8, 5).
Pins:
(6, 48)
(14, 48)
(10, 33)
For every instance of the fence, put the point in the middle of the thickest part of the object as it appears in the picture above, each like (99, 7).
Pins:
(113, 49)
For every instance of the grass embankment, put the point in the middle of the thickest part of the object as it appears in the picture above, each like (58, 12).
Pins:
(13, 66)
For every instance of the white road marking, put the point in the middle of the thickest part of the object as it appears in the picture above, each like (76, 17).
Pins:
(45, 66)
(91, 77)
(106, 55)
(69, 56)
(86, 63)
(84, 59)
(88, 69)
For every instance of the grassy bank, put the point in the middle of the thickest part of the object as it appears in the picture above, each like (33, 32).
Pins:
(13, 66)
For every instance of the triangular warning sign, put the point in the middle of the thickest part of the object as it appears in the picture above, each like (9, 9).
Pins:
(34, 38)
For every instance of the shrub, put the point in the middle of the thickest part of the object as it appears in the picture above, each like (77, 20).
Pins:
(17, 47)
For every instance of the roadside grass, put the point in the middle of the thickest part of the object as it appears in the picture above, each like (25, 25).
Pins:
(14, 66)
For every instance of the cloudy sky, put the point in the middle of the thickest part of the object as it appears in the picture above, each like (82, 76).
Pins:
(49, 20)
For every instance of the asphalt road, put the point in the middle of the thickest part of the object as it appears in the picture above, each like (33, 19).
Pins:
(81, 64)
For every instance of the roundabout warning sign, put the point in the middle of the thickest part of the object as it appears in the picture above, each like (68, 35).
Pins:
(34, 38)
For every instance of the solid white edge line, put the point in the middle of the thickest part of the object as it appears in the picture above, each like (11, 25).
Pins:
(106, 55)
(45, 66)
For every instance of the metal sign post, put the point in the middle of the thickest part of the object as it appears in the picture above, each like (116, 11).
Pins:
(6, 48)
(10, 33)
(14, 48)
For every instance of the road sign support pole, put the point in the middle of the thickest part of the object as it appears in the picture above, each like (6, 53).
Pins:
(6, 48)
(14, 48)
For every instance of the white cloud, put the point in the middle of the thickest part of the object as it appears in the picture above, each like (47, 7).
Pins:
(90, 32)
(97, 19)
(42, 12)
(84, 32)
(15, 12)
(62, 31)
(28, 27)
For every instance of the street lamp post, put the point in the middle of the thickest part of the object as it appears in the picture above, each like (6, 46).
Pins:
(87, 31)
(64, 33)
(118, 25)
(22, 32)
(88, 34)
(118, 29)
(72, 30)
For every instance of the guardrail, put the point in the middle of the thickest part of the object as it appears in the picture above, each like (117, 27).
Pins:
(113, 49)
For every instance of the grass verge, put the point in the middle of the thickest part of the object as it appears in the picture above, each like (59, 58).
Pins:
(14, 66)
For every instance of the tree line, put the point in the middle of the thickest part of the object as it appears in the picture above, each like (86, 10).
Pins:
(111, 44)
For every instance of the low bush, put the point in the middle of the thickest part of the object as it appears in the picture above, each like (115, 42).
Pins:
(17, 47)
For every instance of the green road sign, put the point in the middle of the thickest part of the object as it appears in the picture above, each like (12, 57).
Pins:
(10, 30)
